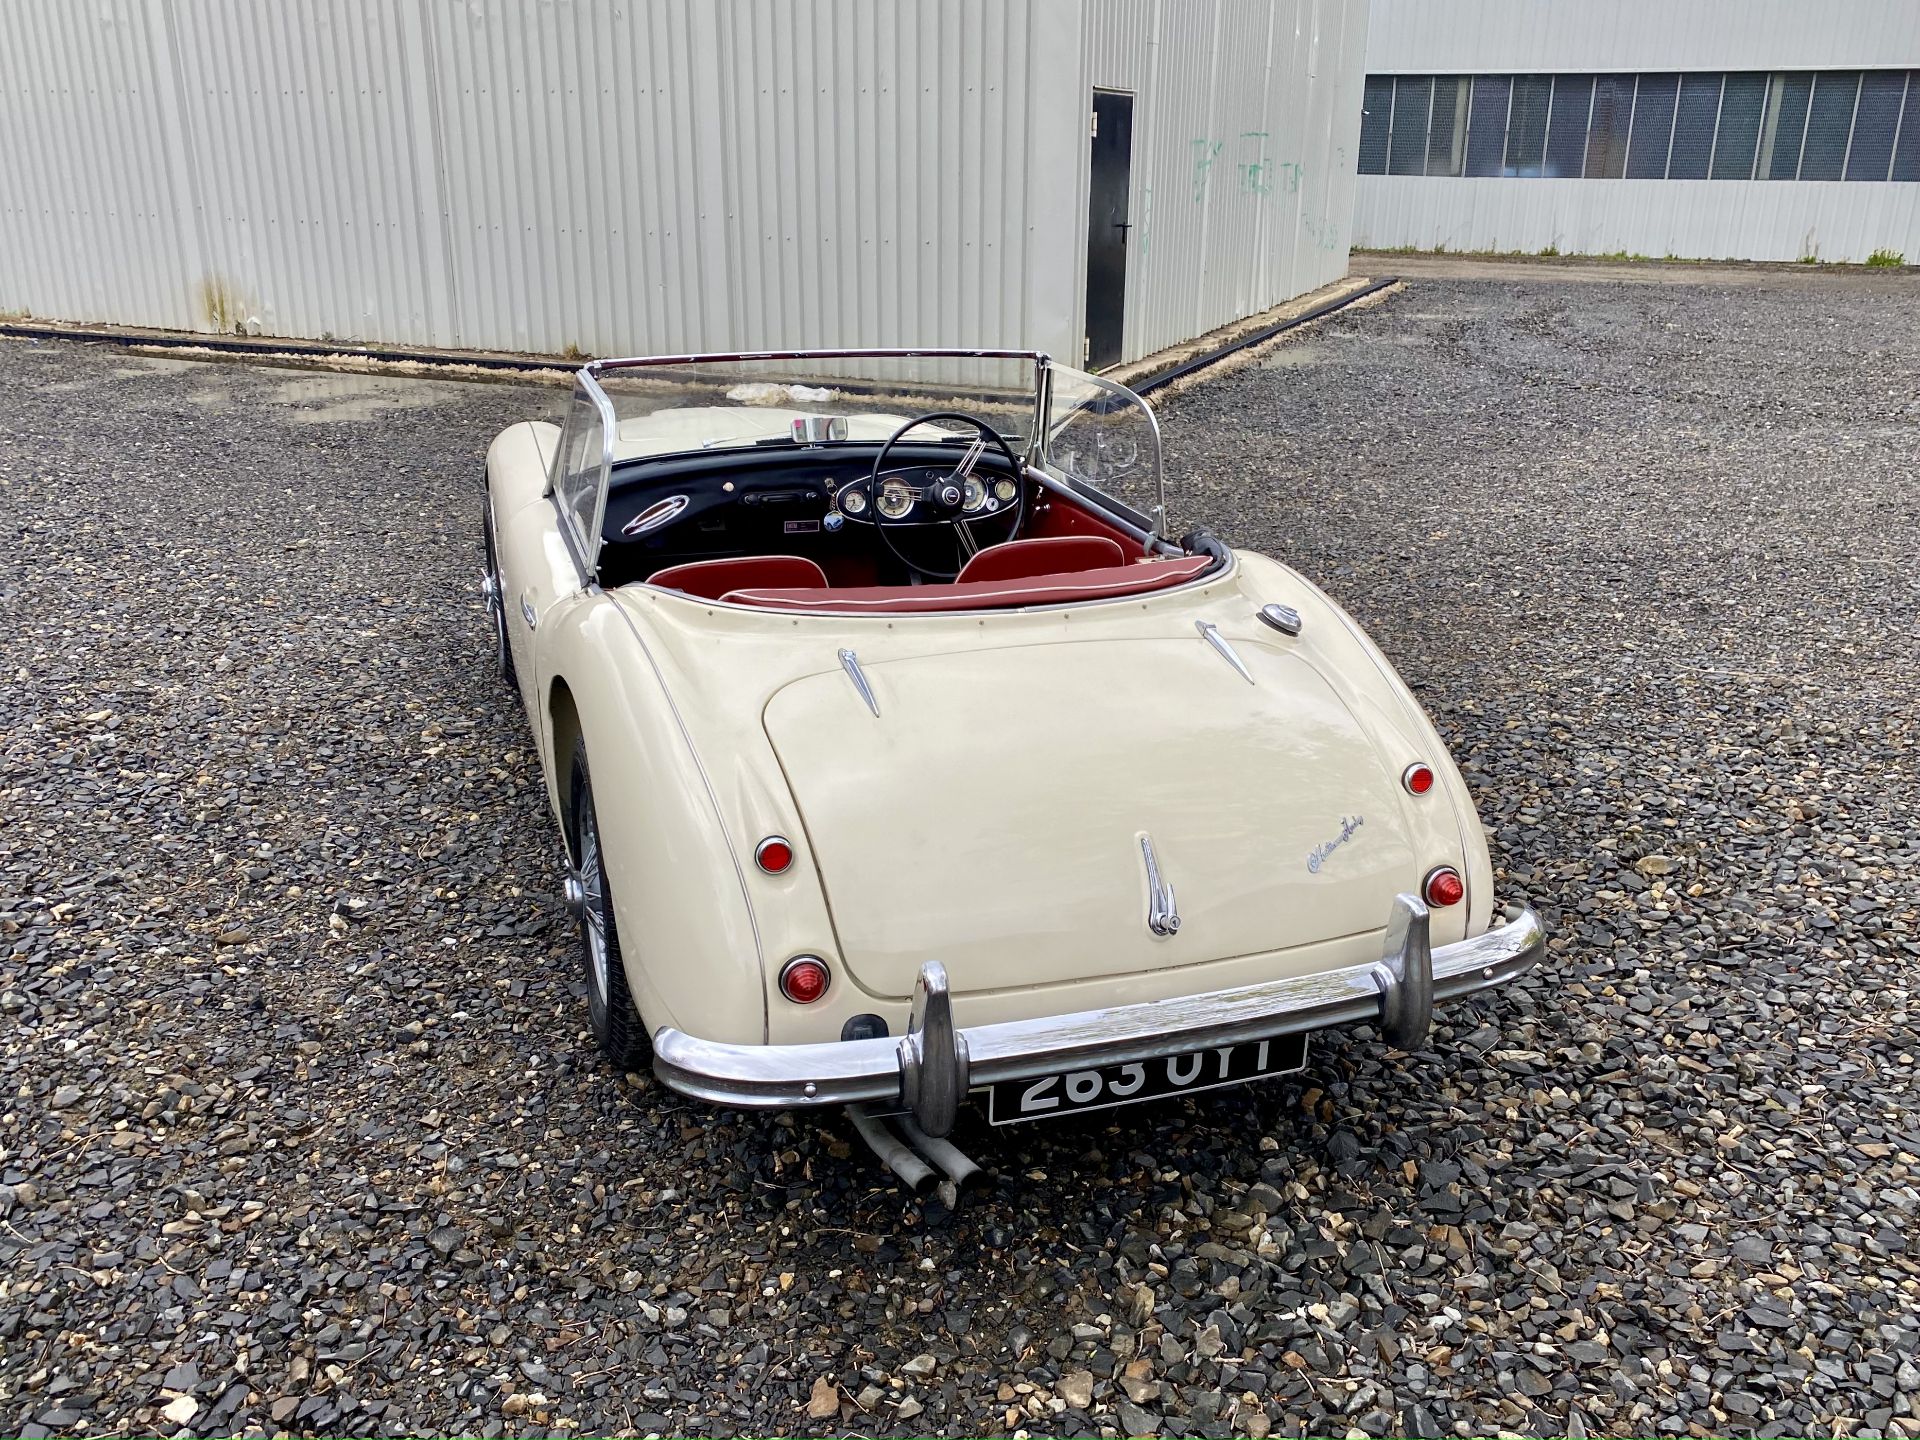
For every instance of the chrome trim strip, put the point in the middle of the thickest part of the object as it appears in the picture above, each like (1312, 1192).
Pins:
(845, 1071)
(1210, 633)
(850, 662)
(636, 362)
(1163, 915)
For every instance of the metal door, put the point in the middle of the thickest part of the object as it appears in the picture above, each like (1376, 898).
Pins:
(1107, 224)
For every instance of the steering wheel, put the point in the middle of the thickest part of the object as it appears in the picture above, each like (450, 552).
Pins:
(947, 495)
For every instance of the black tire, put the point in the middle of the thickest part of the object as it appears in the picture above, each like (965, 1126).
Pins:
(497, 602)
(615, 1019)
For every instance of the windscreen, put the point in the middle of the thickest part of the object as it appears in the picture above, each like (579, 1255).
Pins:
(709, 405)
(1103, 437)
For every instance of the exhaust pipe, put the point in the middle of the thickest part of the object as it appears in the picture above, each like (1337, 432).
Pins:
(914, 1172)
(953, 1162)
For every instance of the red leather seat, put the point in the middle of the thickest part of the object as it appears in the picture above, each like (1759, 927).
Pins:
(711, 579)
(1043, 555)
(980, 594)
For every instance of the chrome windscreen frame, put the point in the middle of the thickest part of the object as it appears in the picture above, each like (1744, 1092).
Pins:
(1148, 534)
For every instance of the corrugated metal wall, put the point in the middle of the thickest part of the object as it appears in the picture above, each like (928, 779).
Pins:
(1246, 119)
(664, 174)
(1693, 219)
(563, 176)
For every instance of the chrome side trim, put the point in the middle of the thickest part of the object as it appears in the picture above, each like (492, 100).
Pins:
(527, 613)
(850, 662)
(843, 1072)
(1210, 632)
(1163, 915)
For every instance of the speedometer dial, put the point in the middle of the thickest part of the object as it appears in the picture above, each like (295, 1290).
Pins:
(975, 495)
(895, 500)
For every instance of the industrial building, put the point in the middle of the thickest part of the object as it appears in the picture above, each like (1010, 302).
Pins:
(1714, 129)
(1096, 178)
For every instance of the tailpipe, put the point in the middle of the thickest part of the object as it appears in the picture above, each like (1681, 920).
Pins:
(907, 1155)
(954, 1162)
(914, 1172)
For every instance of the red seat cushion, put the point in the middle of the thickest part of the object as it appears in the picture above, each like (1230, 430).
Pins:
(1046, 555)
(980, 594)
(710, 579)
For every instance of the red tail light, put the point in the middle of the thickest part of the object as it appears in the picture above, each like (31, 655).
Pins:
(1417, 777)
(773, 854)
(804, 979)
(1444, 887)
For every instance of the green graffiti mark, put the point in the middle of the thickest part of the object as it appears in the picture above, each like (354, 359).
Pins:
(1205, 152)
(1259, 174)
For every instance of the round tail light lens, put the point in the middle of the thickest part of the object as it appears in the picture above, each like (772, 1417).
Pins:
(1445, 887)
(773, 854)
(804, 979)
(1417, 777)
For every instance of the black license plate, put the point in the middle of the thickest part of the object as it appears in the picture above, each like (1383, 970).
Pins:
(1103, 1087)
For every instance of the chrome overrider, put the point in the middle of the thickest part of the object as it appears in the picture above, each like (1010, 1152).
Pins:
(929, 1069)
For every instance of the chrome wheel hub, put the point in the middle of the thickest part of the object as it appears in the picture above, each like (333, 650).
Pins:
(590, 884)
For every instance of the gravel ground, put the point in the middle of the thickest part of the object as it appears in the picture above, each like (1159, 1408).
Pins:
(305, 1133)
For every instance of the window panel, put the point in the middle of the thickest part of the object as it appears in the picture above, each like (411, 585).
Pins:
(1607, 135)
(1407, 149)
(1652, 127)
(1567, 127)
(1487, 124)
(1693, 123)
(1874, 122)
(1374, 115)
(1527, 124)
(1785, 127)
(1906, 149)
(1829, 122)
(1740, 112)
(1447, 135)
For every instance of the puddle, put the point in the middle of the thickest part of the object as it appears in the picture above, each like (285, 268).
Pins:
(153, 365)
(327, 399)
(1286, 357)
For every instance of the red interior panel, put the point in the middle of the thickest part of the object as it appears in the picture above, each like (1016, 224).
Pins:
(1042, 555)
(1056, 515)
(710, 579)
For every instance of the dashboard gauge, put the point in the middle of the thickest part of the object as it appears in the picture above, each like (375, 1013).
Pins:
(975, 497)
(1003, 490)
(895, 500)
(853, 501)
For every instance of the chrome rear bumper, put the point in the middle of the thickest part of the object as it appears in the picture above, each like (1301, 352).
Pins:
(930, 1069)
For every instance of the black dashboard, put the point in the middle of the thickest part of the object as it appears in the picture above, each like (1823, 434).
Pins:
(816, 500)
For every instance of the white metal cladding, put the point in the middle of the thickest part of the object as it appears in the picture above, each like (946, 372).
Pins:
(664, 175)
(1692, 219)
(1477, 37)
(660, 176)
(1245, 131)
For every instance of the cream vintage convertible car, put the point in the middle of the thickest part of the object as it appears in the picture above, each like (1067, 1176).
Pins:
(901, 757)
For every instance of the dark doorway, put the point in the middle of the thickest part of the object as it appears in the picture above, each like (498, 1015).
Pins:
(1107, 224)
